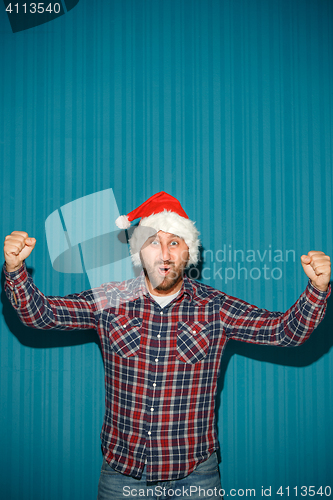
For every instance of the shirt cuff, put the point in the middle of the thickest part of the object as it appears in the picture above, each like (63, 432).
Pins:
(315, 296)
(15, 278)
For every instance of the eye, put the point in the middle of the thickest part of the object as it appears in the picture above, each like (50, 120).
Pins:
(155, 242)
(174, 243)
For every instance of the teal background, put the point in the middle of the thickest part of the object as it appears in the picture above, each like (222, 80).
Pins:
(227, 105)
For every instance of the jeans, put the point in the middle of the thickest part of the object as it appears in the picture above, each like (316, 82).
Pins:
(203, 482)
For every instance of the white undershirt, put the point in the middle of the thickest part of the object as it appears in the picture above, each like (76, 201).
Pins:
(164, 300)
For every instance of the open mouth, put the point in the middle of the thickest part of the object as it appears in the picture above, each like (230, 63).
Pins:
(164, 270)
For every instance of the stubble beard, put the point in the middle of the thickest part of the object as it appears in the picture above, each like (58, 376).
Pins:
(166, 283)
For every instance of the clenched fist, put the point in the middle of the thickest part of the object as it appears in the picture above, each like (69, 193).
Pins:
(18, 246)
(317, 266)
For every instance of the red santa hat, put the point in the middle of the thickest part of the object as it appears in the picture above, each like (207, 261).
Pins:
(161, 212)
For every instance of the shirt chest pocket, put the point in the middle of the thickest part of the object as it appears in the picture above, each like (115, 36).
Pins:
(125, 335)
(192, 341)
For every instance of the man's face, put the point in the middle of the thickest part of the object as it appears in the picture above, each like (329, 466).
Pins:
(164, 257)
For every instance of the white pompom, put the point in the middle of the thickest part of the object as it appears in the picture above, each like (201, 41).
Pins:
(122, 222)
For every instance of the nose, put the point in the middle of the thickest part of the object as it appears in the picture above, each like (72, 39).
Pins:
(165, 252)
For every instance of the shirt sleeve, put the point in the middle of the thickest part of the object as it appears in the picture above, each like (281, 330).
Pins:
(248, 323)
(37, 311)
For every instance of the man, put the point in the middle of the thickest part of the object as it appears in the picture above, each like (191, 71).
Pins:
(162, 337)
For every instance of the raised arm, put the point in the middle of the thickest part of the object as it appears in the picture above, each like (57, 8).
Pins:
(33, 308)
(250, 324)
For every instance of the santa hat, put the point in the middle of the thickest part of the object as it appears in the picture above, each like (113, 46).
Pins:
(161, 212)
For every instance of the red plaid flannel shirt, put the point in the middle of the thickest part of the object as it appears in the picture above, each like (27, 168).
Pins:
(162, 365)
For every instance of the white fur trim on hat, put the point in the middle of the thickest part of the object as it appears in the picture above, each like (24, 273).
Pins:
(169, 222)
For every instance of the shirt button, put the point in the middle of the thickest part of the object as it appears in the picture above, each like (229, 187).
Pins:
(154, 385)
(161, 313)
(158, 336)
(156, 360)
(151, 409)
(149, 433)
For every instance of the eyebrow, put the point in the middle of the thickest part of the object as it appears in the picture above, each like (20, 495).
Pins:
(151, 238)
(156, 237)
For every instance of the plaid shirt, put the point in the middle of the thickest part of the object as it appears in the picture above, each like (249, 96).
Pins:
(162, 365)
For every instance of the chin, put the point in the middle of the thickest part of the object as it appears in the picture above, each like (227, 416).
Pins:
(167, 285)
(164, 287)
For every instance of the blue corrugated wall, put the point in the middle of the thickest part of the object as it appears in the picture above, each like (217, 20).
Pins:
(227, 105)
